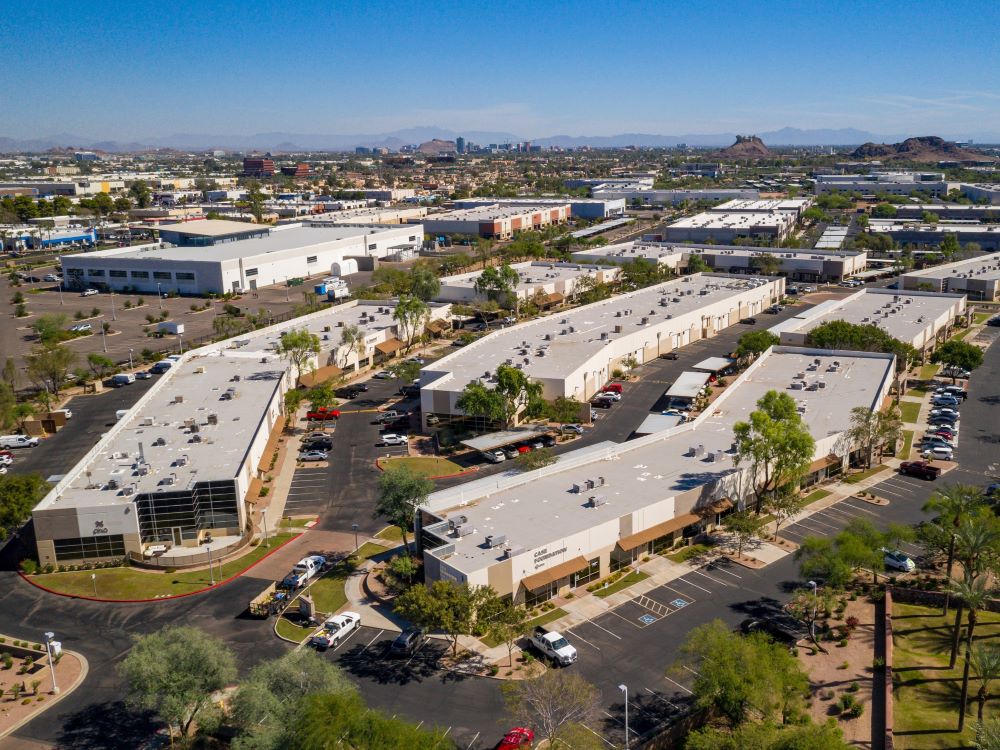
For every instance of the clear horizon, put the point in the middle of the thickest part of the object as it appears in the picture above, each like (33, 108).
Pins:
(533, 70)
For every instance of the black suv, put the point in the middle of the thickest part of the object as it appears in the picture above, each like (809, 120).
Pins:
(318, 444)
(407, 642)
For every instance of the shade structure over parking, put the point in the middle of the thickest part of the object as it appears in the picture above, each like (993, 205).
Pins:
(688, 384)
(493, 440)
(714, 364)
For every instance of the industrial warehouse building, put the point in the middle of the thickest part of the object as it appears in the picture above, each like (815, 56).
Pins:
(585, 208)
(573, 354)
(535, 535)
(218, 256)
(798, 265)
(547, 284)
(921, 319)
(725, 227)
(979, 278)
(495, 221)
(917, 234)
(891, 183)
(187, 461)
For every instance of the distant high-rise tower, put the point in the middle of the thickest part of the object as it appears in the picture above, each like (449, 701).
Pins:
(460, 145)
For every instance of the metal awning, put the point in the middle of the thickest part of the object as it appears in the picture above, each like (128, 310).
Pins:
(547, 576)
(494, 440)
(688, 385)
(718, 506)
(320, 375)
(714, 364)
(823, 463)
(391, 346)
(655, 532)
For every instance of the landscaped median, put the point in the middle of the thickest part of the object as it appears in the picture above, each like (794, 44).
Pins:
(328, 593)
(430, 467)
(126, 584)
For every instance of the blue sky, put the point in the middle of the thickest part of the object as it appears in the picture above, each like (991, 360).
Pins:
(142, 69)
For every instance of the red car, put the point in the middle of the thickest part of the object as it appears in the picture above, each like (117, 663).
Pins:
(518, 738)
(612, 388)
(920, 469)
(323, 415)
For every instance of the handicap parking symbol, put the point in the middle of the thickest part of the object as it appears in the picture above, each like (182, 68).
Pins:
(678, 603)
(647, 619)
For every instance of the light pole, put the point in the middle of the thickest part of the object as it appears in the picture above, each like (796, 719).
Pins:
(159, 295)
(130, 365)
(93, 578)
(180, 341)
(59, 287)
(263, 517)
(624, 689)
(114, 314)
(211, 570)
(48, 649)
(354, 528)
(812, 620)
(104, 339)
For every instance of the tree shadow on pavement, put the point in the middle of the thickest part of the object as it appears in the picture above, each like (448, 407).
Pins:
(110, 726)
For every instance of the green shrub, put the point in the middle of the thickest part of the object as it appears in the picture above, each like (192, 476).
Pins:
(95, 311)
(21, 311)
(856, 710)
(854, 687)
(29, 566)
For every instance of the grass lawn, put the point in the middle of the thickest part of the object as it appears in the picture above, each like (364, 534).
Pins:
(634, 577)
(548, 617)
(926, 692)
(981, 317)
(961, 334)
(855, 478)
(904, 454)
(928, 371)
(909, 411)
(816, 495)
(391, 534)
(688, 552)
(917, 392)
(288, 629)
(296, 523)
(425, 466)
(328, 592)
(134, 583)
(370, 549)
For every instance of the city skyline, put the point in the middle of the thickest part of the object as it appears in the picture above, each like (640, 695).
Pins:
(574, 69)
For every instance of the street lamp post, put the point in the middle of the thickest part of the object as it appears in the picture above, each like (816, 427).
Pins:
(159, 295)
(211, 570)
(624, 689)
(48, 649)
(263, 517)
(59, 287)
(130, 365)
(104, 339)
(180, 341)
(114, 314)
(354, 528)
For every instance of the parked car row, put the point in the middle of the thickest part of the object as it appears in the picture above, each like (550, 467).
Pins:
(941, 437)
(514, 450)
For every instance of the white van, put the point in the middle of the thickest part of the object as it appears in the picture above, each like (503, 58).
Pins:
(123, 378)
(17, 441)
(120, 414)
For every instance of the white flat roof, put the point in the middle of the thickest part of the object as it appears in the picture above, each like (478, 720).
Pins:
(213, 227)
(488, 213)
(983, 267)
(657, 250)
(575, 335)
(734, 220)
(536, 508)
(912, 225)
(748, 204)
(530, 274)
(688, 384)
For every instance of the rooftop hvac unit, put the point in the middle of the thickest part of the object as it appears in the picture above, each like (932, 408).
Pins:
(147, 422)
(456, 521)
(199, 370)
(112, 484)
(160, 441)
(605, 335)
(719, 455)
(548, 337)
(644, 321)
(572, 329)
(181, 461)
(463, 529)
(821, 384)
(142, 469)
(797, 385)
(213, 419)
(128, 491)
(618, 328)
(512, 551)
(595, 501)
(178, 399)
(496, 540)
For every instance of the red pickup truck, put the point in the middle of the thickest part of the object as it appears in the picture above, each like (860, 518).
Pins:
(323, 415)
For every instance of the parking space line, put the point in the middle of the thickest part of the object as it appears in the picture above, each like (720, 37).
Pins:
(894, 494)
(604, 629)
(660, 698)
(577, 635)
(353, 633)
(696, 674)
(599, 736)
(473, 741)
(684, 580)
(445, 732)
(813, 519)
(612, 612)
(723, 583)
(728, 573)
(619, 721)
(847, 504)
(678, 685)
(372, 641)
(671, 588)
(420, 724)
(791, 530)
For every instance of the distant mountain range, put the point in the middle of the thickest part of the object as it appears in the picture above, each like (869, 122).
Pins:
(297, 142)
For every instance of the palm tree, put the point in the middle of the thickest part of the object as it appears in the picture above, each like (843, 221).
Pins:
(976, 543)
(953, 503)
(973, 593)
(986, 665)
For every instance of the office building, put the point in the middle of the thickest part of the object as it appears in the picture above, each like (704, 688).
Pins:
(891, 183)
(979, 278)
(297, 170)
(545, 284)
(495, 221)
(987, 193)
(538, 534)
(586, 208)
(905, 232)
(219, 256)
(573, 353)
(920, 319)
(258, 167)
(724, 228)
(188, 459)
(389, 195)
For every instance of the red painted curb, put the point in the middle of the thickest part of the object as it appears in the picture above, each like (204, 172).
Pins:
(162, 598)
(472, 470)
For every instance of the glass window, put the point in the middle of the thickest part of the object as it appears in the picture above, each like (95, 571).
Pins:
(543, 594)
(95, 272)
(311, 259)
(184, 276)
(140, 274)
(591, 573)
(117, 274)
(79, 548)
(161, 275)
(251, 272)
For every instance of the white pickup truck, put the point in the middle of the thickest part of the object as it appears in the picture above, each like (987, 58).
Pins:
(304, 569)
(554, 646)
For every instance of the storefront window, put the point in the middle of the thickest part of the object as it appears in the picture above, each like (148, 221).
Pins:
(539, 595)
(591, 573)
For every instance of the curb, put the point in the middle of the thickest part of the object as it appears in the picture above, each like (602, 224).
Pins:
(161, 598)
(84, 671)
